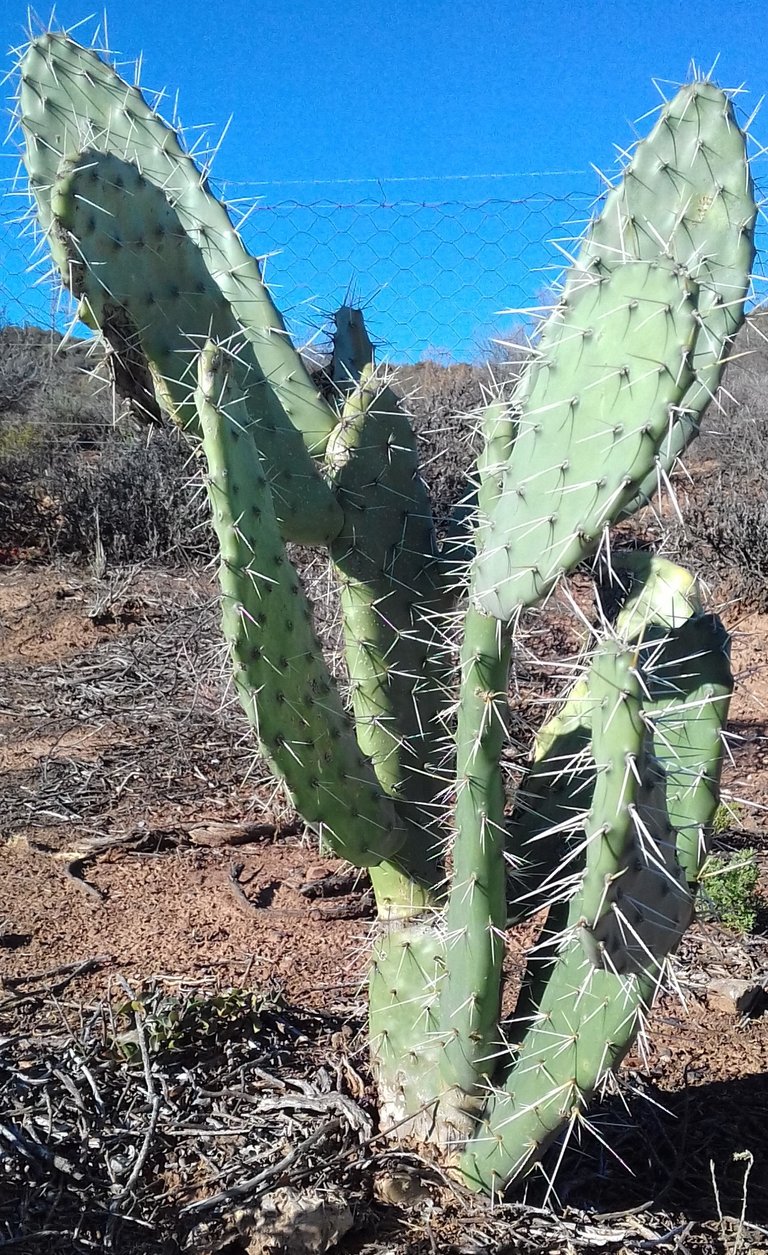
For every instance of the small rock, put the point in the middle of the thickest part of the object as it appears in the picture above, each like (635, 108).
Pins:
(735, 997)
(293, 1222)
(400, 1189)
(315, 872)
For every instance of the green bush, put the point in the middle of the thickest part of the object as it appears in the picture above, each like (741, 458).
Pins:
(729, 815)
(729, 884)
(19, 439)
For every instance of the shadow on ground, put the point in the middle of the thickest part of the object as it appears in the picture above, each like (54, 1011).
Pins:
(676, 1151)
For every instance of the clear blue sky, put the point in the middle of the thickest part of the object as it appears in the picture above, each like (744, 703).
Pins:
(409, 88)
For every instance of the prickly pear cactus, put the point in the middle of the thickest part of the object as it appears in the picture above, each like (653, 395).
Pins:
(606, 833)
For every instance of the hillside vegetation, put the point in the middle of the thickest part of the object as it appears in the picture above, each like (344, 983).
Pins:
(79, 477)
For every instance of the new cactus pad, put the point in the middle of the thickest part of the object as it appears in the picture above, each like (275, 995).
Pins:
(400, 766)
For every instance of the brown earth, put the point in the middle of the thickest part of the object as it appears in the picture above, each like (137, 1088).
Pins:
(141, 841)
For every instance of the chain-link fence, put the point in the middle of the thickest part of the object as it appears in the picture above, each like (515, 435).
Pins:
(437, 277)
(434, 276)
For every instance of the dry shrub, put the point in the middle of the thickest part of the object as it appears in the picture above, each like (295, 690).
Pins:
(444, 403)
(725, 507)
(135, 500)
(23, 368)
(75, 481)
(68, 475)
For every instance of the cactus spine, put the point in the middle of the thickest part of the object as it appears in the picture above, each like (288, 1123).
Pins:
(607, 832)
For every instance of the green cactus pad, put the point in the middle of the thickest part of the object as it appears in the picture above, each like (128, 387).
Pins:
(657, 592)
(683, 660)
(352, 348)
(558, 787)
(280, 674)
(476, 915)
(558, 1070)
(633, 900)
(594, 408)
(385, 564)
(684, 656)
(498, 429)
(687, 195)
(127, 255)
(689, 681)
(627, 915)
(70, 100)
(405, 979)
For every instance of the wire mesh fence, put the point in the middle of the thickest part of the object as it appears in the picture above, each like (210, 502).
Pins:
(433, 276)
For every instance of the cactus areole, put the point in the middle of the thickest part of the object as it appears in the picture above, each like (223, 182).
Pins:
(605, 836)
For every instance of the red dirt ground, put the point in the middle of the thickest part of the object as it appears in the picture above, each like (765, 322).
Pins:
(114, 728)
